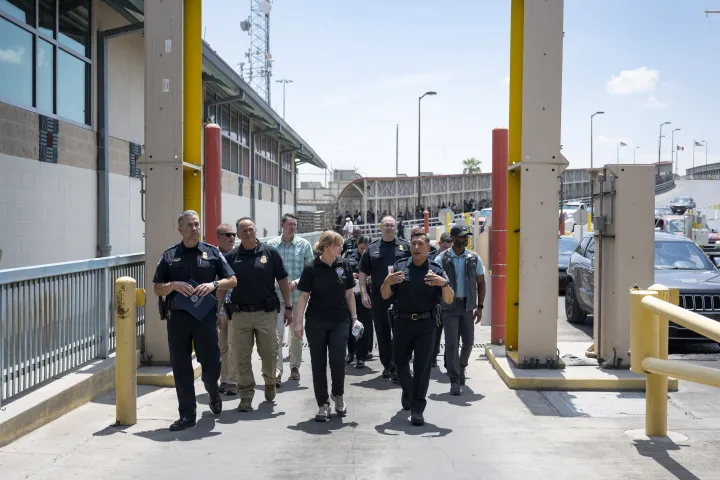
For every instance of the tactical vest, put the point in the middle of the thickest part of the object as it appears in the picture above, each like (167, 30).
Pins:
(470, 280)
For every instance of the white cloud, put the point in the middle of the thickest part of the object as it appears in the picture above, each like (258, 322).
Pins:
(11, 55)
(640, 80)
(391, 83)
(653, 102)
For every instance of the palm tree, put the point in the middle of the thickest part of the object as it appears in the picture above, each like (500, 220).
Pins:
(471, 165)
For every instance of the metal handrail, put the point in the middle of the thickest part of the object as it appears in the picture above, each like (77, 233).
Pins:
(650, 313)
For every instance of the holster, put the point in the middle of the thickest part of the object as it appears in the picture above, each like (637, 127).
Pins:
(437, 313)
(164, 308)
(392, 315)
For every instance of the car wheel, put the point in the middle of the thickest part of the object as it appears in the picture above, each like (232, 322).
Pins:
(572, 309)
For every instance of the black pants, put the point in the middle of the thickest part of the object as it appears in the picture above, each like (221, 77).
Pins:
(327, 338)
(183, 329)
(414, 337)
(363, 346)
(382, 330)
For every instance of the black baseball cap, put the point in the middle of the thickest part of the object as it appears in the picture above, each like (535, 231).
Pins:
(459, 231)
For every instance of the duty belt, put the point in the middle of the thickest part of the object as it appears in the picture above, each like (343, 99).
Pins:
(415, 316)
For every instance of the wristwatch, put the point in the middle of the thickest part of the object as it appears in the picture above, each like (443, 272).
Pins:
(216, 284)
(447, 283)
(481, 307)
(289, 308)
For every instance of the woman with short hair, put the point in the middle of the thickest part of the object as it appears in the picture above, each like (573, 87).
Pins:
(326, 287)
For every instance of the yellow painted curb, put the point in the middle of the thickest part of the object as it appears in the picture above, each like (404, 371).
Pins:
(163, 379)
(570, 384)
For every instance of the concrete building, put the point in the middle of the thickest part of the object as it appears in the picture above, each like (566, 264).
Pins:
(69, 130)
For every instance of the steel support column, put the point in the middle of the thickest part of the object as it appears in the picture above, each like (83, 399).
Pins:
(535, 168)
(163, 157)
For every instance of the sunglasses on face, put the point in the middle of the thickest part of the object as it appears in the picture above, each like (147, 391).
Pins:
(229, 235)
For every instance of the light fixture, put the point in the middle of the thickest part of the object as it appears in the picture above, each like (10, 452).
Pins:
(245, 26)
(265, 7)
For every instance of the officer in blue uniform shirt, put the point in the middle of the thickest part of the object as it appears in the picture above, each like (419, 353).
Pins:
(380, 255)
(419, 286)
(203, 263)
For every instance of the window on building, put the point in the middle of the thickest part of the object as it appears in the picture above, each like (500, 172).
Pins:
(234, 127)
(42, 66)
(266, 161)
(287, 180)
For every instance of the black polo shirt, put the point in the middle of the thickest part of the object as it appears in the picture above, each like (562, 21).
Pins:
(203, 263)
(413, 295)
(256, 271)
(379, 256)
(327, 285)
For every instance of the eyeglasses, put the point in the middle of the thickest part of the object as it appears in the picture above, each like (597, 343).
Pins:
(229, 235)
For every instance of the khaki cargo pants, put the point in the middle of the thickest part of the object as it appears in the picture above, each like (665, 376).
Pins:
(246, 329)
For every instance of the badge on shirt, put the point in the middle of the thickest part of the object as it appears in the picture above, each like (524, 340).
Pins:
(176, 259)
(339, 271)
(263, 259)
(204, 256)
(402, 248)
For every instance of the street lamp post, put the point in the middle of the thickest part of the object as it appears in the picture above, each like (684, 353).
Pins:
(673, 149)
(706, 164)
(419, 176)
(284, 81)
(634, 152)
(660, 139)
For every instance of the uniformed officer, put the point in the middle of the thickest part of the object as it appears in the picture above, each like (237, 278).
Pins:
(351, 243)
(203, 263)
(380, 255)
(253, 310)
(444, 243)
(359, 348)
(419, 287)
(467, 278)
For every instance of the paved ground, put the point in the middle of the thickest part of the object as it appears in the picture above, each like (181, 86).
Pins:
(489, 433)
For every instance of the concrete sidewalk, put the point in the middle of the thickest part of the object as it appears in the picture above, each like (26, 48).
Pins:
(489, 433)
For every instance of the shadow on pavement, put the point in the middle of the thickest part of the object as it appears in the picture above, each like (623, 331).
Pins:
(657, 449)
(439, 376)
(351, 371)
(109, 397)
(313, 427)
(377, 383)
(400, 423)
(263, 411)
(537, 403)
(465, 400)
(203, 429)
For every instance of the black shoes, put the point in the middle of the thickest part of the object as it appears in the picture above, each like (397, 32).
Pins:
(417, 419)
(349, 358)
(215, 402)
(182, 424)
(386, 373)
(394, 378)
(360, 364)
(455, 388)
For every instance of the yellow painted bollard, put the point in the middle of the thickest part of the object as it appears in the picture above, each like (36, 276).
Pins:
(656, 386)
(448, 220)
(645, 342)
(126, 301)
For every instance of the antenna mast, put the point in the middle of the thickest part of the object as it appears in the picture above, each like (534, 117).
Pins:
(258, 55)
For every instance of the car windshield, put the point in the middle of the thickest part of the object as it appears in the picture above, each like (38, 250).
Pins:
(680, 256)
(571, 207)
(485, 212)
(663, 211)
(566, 246)
(681, 200)
(676, 226)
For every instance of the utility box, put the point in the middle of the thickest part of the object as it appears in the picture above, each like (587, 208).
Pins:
(624, 254)
(701, 236)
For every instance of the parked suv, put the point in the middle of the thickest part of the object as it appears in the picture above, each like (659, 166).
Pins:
(679, 263)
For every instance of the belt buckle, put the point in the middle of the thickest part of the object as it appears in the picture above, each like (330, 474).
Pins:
(413, 316)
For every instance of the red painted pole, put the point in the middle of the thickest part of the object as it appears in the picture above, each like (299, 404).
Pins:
(426, 217)
(498, 233)
(213, 189)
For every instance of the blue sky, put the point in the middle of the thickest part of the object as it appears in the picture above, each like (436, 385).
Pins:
(359, 67)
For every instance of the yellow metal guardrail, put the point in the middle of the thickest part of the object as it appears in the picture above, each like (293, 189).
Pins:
(650, 312)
